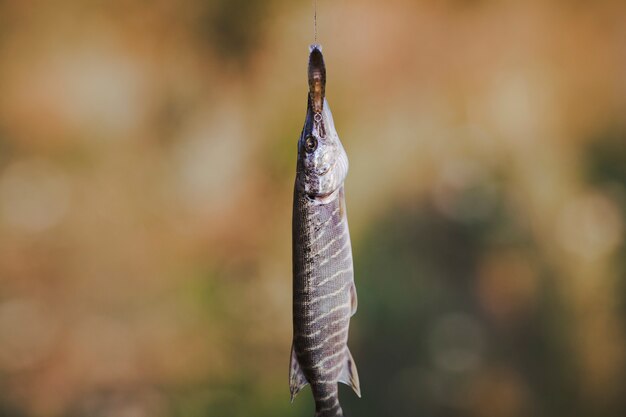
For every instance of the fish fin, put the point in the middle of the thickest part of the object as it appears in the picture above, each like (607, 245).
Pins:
(353, 299)
(349, 375)
(297, 380)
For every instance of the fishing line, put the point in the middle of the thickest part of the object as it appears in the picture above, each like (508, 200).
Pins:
(315, 19)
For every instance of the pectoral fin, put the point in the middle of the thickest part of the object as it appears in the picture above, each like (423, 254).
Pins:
(349, 375)
(297, 380)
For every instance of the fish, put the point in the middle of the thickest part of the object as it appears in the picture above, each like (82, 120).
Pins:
(324, 293)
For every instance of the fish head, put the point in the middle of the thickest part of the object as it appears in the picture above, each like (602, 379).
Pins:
(322, 160)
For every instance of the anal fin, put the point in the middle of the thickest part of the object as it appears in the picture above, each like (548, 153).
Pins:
(349, 375)
(297, 380)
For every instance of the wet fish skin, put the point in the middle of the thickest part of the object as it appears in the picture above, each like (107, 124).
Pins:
(324, 295)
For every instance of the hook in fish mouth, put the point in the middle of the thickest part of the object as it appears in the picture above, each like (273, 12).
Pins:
(317, 78)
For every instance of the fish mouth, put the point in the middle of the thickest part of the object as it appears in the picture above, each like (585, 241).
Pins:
(317, 78)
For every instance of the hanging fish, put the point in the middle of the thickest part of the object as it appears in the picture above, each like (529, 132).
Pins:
(324, 296)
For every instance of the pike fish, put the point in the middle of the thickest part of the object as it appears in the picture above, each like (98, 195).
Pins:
(324, 296)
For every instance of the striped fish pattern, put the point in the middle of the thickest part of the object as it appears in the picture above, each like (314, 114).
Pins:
(324, 295)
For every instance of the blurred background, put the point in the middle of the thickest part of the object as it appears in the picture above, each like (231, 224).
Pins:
(147, 158)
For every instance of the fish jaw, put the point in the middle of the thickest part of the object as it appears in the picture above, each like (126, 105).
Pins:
(321, 169)
(322, 172)
(317, 78)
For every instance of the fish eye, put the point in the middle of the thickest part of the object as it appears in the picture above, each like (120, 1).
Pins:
(310, 144)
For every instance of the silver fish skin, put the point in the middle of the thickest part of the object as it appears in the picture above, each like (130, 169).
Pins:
(324, 295)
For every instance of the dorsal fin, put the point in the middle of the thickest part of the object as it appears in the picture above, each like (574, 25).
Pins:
(349, 374)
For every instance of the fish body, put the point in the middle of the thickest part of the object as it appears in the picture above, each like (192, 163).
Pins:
(324, 295)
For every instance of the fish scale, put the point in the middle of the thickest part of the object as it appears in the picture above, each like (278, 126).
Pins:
(324, 296)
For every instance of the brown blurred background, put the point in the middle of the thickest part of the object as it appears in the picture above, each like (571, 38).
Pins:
(147, 156)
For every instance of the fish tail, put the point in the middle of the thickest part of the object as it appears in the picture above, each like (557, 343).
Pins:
(327, 401)
(338, 412)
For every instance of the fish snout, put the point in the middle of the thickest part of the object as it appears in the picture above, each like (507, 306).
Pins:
(317, 78)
